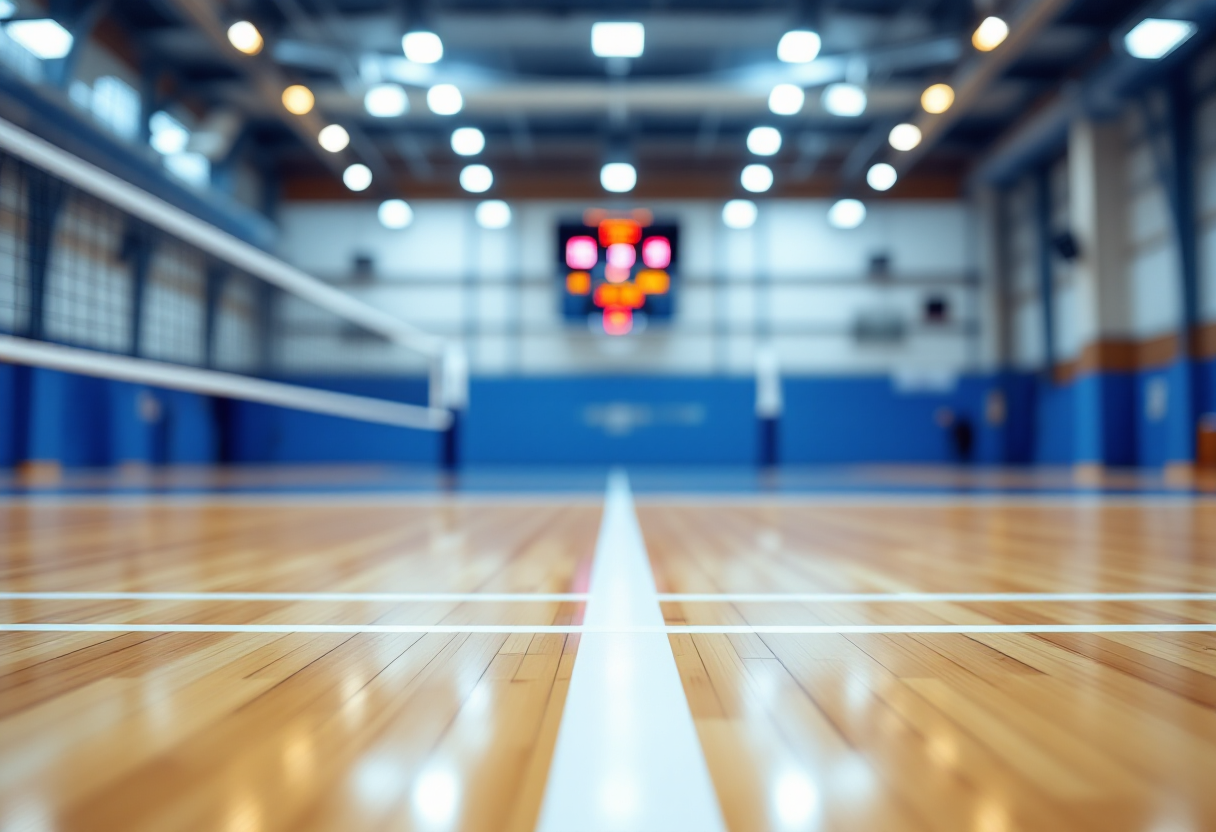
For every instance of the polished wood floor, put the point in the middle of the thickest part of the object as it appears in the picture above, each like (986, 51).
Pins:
(984, 733)
(245, 732)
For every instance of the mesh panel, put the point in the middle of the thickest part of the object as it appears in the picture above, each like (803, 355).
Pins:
(76, 270)
(88, 286)
(14, 271)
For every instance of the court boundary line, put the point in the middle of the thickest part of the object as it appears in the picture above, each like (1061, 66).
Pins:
(374, 597)
(580, 629)
(307, 499)
(880, 499)
(582, 597)
(388, 498)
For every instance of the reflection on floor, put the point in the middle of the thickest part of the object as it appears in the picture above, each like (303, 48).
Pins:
(288, 731)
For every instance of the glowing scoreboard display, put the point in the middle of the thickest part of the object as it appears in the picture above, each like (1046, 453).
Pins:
(619, 272)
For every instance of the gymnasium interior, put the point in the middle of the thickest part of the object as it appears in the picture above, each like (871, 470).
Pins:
(637, 416)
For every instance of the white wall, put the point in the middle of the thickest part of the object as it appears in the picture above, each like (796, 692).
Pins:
(791, 275)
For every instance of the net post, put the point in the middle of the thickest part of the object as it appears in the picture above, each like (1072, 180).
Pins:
(769, 405)
(449, 389)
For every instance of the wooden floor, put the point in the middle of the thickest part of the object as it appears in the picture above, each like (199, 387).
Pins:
(253, 731)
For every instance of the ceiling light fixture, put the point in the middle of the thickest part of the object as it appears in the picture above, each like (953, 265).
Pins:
(386, 101)
(618, 177)
(476, 179)
(245, 37)
(786, 99)
(618, 40)
(334, 138)
(844, 100)
(756, 178)
(882, 177)
(847, 214)
(444, 99)
(990, 34)
(739, 214)
(937, 99)
(468, 141)
(904, 137)
(799, 46)
(395, 214)
(1154, 38)
(422, 47)
(44, 37)
(357, 177)
(764, 141)
(493, 214)
(298, 99)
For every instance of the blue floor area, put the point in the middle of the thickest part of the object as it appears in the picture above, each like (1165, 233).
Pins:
(387, 480)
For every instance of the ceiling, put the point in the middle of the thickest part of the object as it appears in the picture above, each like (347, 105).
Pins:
(552, 112)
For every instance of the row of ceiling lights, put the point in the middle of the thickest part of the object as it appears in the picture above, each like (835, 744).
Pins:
(1152, 39)
(739, 214)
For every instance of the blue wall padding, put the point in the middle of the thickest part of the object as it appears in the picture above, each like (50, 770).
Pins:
(81, 421)
(131, 437)
(11, 416)
(1103, 418)
(1021, 398)
(264, 433)
(866, 419)
(607, 420)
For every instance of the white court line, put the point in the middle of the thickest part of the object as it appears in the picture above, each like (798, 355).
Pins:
(924, 597)
(685, 597)
(394, 597)
(629, 664)
(627, 757)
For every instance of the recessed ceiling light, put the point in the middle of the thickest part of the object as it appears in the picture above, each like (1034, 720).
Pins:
(1154, 38)
(847, 214)
(476, 179)
(298, 99)
(386, 101)
(334, 138)
(904, 136)
(245, 37)
(493, 214)
(799, 46)
(468, 141)
(739, 214)
(395, 214)
(786, 99)
(990, 34)
(618, 177)
(44, 37)
(422, 47)
(937, 98)
(444, 99)
(357, 177)
(618, 40)
(756, 178)
(845, 100)
(882, 177)
(764, 141)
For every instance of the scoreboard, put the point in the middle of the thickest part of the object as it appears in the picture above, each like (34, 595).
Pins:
(617, 271)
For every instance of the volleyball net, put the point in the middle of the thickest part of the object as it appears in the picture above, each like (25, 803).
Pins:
(102, 278)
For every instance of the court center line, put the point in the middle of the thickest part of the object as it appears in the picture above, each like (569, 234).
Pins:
(627, 758)
(627, 664)
(686, 597)
(392, 597)
(925, 597)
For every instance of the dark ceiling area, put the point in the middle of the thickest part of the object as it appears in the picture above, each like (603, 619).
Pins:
(552, 112)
